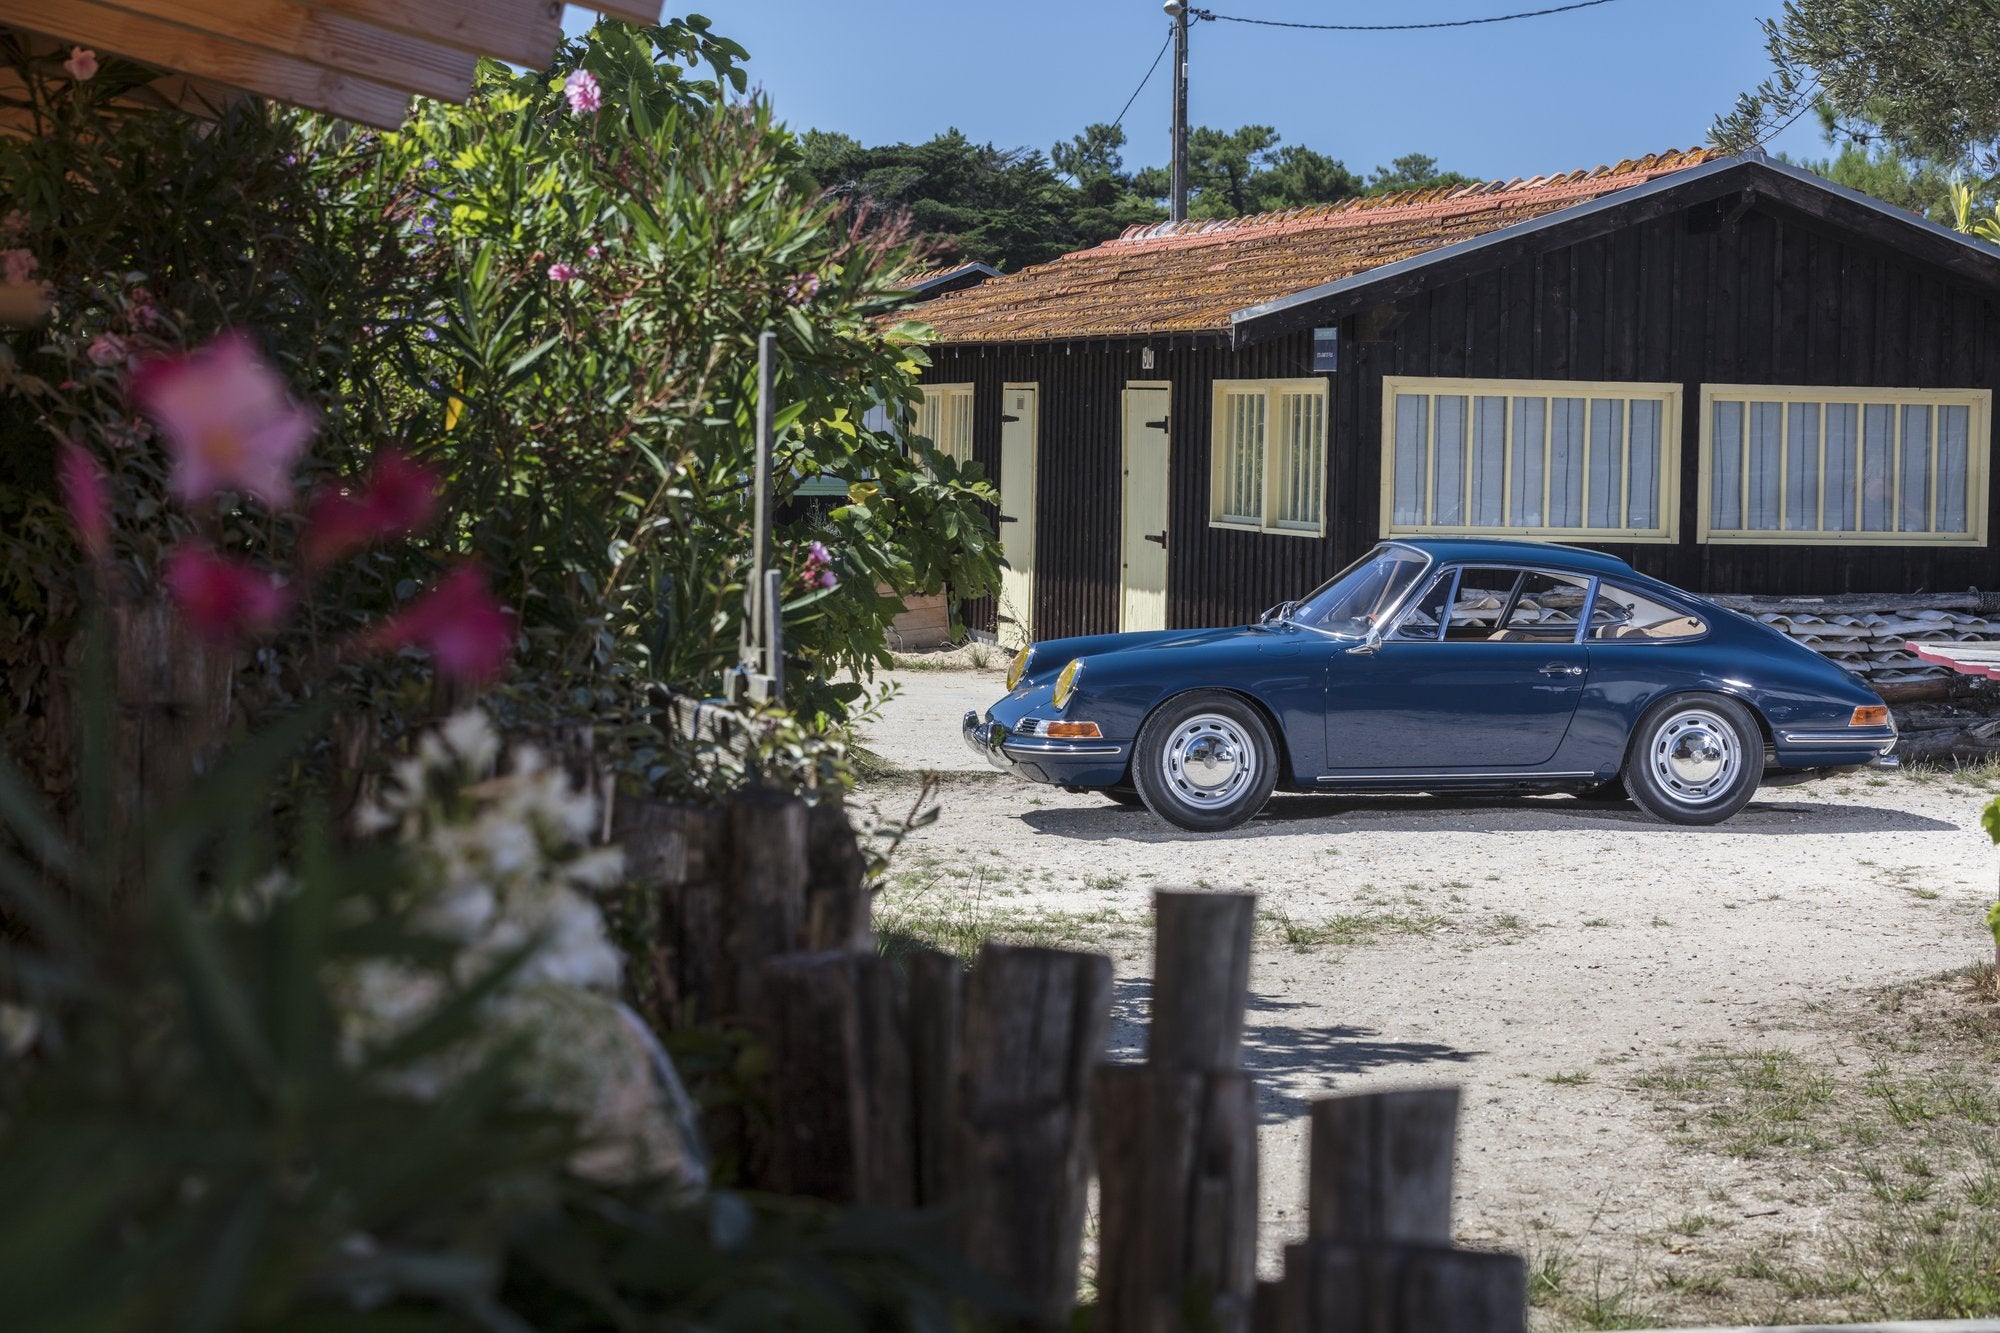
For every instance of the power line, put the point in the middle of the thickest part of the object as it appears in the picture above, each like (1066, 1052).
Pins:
(1402, 27)
(1148, 79)
(1150, 70)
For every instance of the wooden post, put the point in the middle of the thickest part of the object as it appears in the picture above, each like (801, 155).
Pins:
(679, 854)
(1380, 1166)
(836, 883)
(1379, 1257)
(1177, 1136)
(1035, 1022)
(812, 1017)
(1201, 979)
(937, 1006)
(767, 832)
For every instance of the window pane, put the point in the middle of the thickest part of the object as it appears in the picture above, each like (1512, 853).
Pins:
(1642, 507)
(1763, 466)
(1953, 465)
(1547, 609)
(1489, 461)
(1448, 463)
(1878, 467)
(1425, 618)
(1622, 614)
(1301, 459)
(1413, 414)
(1607, 462)
(1531, 422)
(1802, 467)
(1482, 596)
(1842, 457)
(1914, 505)
(1566, 462)
(1725, 499)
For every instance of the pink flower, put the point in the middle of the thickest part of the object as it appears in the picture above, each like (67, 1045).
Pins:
(802, 289)
(18, 265)
(107, 349)
(466, 632)
(228, 420)
(592, 252)
(86, 498)
(583, 94)
(223, 599)
(818, 571)
(82, 63)
(561, 272)
(398, 500)
(13, 226)
(828, 579)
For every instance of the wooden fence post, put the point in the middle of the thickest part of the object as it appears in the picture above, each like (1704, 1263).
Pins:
(679, 856)
(767, 832)
(1379, 1258)
(937, 1007)
(837, 898)
(1035, 1022)
(1177, 1136)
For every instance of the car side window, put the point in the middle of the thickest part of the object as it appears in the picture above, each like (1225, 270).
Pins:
(1621, 613)
(1481, 599)
(1547, 608)
(1426, 615)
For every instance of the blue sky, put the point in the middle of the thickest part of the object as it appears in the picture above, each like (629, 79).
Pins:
(1538, 95)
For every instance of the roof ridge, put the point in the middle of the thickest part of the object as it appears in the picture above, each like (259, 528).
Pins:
(1672, 159)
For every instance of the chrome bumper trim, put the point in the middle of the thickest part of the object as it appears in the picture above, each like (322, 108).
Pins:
(994, 743)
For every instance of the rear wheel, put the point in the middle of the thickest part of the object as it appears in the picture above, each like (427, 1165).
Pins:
(1695, 759)
(1205, 762)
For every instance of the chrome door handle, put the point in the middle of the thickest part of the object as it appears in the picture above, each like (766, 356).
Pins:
(1559, 669)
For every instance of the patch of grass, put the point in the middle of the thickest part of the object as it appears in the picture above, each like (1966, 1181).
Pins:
(1508, 921)
(1104, 883)
(1899, 1151)
(1571, 1079)
(953, 911)
(1347, 928)
(1598, 921)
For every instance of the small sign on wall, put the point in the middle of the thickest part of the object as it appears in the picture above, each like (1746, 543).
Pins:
(1326, 351)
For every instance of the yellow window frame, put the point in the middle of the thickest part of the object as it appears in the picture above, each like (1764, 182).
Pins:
(1282, 467)
(1630, 391)
(1978, 451)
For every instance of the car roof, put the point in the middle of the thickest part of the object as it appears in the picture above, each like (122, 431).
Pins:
(1550, 555)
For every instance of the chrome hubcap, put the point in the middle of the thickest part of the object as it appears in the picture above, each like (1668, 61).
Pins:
(1208, 761)
(1695, 756)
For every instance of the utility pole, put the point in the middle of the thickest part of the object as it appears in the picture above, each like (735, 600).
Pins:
(1177, 205)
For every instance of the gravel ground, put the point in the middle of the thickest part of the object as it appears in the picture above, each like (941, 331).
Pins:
(1541, 953)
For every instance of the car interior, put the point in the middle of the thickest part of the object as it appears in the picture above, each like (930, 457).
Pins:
(1536, 606)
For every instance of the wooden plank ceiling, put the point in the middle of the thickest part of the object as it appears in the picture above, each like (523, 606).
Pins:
(361, 59)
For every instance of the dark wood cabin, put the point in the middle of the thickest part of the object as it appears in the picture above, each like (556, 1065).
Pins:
(1734, 374)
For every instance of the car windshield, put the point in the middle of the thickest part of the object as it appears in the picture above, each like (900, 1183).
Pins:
(1361, 596)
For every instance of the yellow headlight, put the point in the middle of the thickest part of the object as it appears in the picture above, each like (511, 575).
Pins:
(1066, 682)
(1019, 666)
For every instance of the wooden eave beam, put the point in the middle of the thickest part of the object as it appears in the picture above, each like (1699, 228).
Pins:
(153, 42)
(321, 37)
(645, 13)
(525, 32)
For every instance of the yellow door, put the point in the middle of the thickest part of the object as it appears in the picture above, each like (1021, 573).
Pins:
(1144, 604)
(1017, 515)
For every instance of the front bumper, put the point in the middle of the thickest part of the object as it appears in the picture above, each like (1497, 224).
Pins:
(1066, 763)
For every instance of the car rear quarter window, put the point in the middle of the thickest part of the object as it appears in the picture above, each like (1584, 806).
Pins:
(1621, 614)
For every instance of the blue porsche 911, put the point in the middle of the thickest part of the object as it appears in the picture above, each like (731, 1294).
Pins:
(1441, 666)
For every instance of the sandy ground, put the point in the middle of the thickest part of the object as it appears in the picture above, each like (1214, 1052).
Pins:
(1496, 945)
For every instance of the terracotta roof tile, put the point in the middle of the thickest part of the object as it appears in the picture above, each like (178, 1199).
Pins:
(1188, 277)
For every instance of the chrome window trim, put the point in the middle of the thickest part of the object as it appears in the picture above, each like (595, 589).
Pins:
(1383, 776)
(1395, 611)
(1457, 570)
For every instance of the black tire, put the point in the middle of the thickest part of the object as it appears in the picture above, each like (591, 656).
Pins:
(1694, 759)
(1125, 796)
(1205, 762)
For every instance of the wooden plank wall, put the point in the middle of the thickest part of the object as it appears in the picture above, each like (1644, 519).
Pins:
(1769, 297)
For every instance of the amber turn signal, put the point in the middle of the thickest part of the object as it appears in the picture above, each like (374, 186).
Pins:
(1871, 715)
(1072, 731)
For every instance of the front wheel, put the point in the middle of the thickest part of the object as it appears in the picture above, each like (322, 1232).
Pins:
(1205, 762)
(1695, 759)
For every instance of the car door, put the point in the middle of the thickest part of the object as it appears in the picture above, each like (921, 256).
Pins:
(1482, 673)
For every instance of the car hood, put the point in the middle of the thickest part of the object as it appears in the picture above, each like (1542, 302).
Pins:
(1052, 656)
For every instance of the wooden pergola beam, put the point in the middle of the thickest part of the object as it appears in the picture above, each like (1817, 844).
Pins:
(645, 13)
(154, 42)
(322, 37)
(524, 33)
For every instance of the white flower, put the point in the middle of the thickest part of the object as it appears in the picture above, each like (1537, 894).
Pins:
(471, 736)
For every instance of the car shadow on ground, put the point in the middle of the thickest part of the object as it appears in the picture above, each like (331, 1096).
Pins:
(1293, 1065)
(1288, 814)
